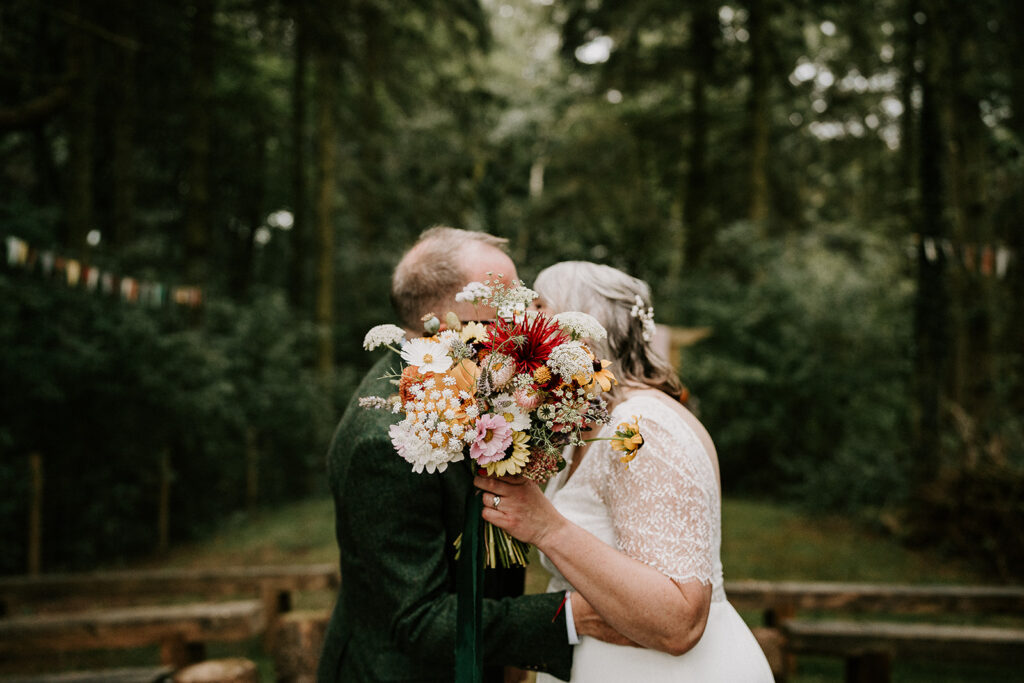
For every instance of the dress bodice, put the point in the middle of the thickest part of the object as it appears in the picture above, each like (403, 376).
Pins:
(664, 509)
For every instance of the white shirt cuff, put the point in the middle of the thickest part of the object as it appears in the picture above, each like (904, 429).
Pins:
(570, 624)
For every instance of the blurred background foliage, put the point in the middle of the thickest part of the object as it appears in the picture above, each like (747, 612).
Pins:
(823, 184)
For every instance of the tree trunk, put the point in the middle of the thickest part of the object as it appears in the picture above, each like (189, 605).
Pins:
(1012, 337)
(81, 134)
(931, 305)
(699, 230)
(326, 150)
(369, 185)
(909, 147)
(298, 266)
(123, 133)
(972, 290)
(758, 112)
(198, 214)
(253, 210)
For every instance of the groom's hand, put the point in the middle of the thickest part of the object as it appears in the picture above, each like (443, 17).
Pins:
(590, 623)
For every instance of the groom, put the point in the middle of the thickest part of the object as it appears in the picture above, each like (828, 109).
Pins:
(395, 614)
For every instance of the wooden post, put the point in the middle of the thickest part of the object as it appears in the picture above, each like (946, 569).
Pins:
(277, 601)
(252, 470)
(775, 617)
(297, 649)
(35, 515)
(164, 511)
(176, 652)
(870, 667)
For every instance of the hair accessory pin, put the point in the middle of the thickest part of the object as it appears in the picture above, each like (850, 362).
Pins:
(646, 317)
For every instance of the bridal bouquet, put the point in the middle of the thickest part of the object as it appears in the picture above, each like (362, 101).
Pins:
(506, 395)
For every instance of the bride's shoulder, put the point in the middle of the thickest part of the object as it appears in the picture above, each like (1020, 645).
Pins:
(651, 404)
(669, 418)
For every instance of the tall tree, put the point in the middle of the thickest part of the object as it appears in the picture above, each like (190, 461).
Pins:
(123, 126)
(298, 264)
(198, 131)
(700, 231)
(326, 77)
(758, 109)
(931, 309)
(80, 211)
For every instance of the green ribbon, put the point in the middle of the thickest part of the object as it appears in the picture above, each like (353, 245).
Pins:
(469, 652)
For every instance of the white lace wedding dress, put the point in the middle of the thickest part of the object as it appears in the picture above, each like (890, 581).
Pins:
(665, 511)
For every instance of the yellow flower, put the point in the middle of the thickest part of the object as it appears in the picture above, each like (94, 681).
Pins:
(542, 375)
(627, 440)
(473, 331)
(514, 463)
(603, 379)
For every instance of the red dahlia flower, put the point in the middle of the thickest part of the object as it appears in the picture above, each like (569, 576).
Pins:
(529, 341)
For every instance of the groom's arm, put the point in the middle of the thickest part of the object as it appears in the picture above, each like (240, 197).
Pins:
(397, 519)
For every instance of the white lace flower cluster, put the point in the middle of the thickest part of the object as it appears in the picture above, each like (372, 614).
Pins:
(507, 299)
(383, 335)
(474, 293)
(572, 361)
(646, 316)
(433, 433)
(581, 326)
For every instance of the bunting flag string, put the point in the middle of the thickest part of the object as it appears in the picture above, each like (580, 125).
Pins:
(74, 274)
(987, 260)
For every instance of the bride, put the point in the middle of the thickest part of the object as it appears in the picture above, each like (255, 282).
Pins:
(639, 544)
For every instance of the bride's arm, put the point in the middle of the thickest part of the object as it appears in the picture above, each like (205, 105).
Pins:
(639, 601)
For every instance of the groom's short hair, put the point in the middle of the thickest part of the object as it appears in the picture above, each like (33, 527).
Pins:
(433, 271)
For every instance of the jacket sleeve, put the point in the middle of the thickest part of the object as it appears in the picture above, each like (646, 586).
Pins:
(395, 518)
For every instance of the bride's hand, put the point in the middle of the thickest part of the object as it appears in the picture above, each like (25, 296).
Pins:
(522, 508)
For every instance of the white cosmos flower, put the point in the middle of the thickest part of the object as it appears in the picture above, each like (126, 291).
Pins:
(427, 355)
(506, 406)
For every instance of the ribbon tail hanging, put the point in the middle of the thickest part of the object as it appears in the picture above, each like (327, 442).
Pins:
(469, 655)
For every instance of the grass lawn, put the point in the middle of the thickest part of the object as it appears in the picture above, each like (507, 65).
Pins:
(760, 541)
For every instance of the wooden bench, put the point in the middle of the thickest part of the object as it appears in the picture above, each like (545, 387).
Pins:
(274, 585)
(869, 646)
(182, 631)
(150, 674)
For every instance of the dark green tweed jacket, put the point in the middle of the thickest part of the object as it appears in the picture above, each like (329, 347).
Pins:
(395, 615)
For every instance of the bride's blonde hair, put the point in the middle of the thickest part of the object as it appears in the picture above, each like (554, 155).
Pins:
(610, 296)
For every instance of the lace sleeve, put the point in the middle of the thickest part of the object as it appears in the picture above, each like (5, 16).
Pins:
(664, 507)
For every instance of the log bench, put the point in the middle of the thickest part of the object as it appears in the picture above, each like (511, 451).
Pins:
(868, 647)
(181, 631)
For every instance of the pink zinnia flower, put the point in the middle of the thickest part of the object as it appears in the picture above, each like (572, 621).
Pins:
(493, 435)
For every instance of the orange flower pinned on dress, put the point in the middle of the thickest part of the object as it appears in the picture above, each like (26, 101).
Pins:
(627, 440)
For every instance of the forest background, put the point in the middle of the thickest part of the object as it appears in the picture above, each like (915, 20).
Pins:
(201, 201)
